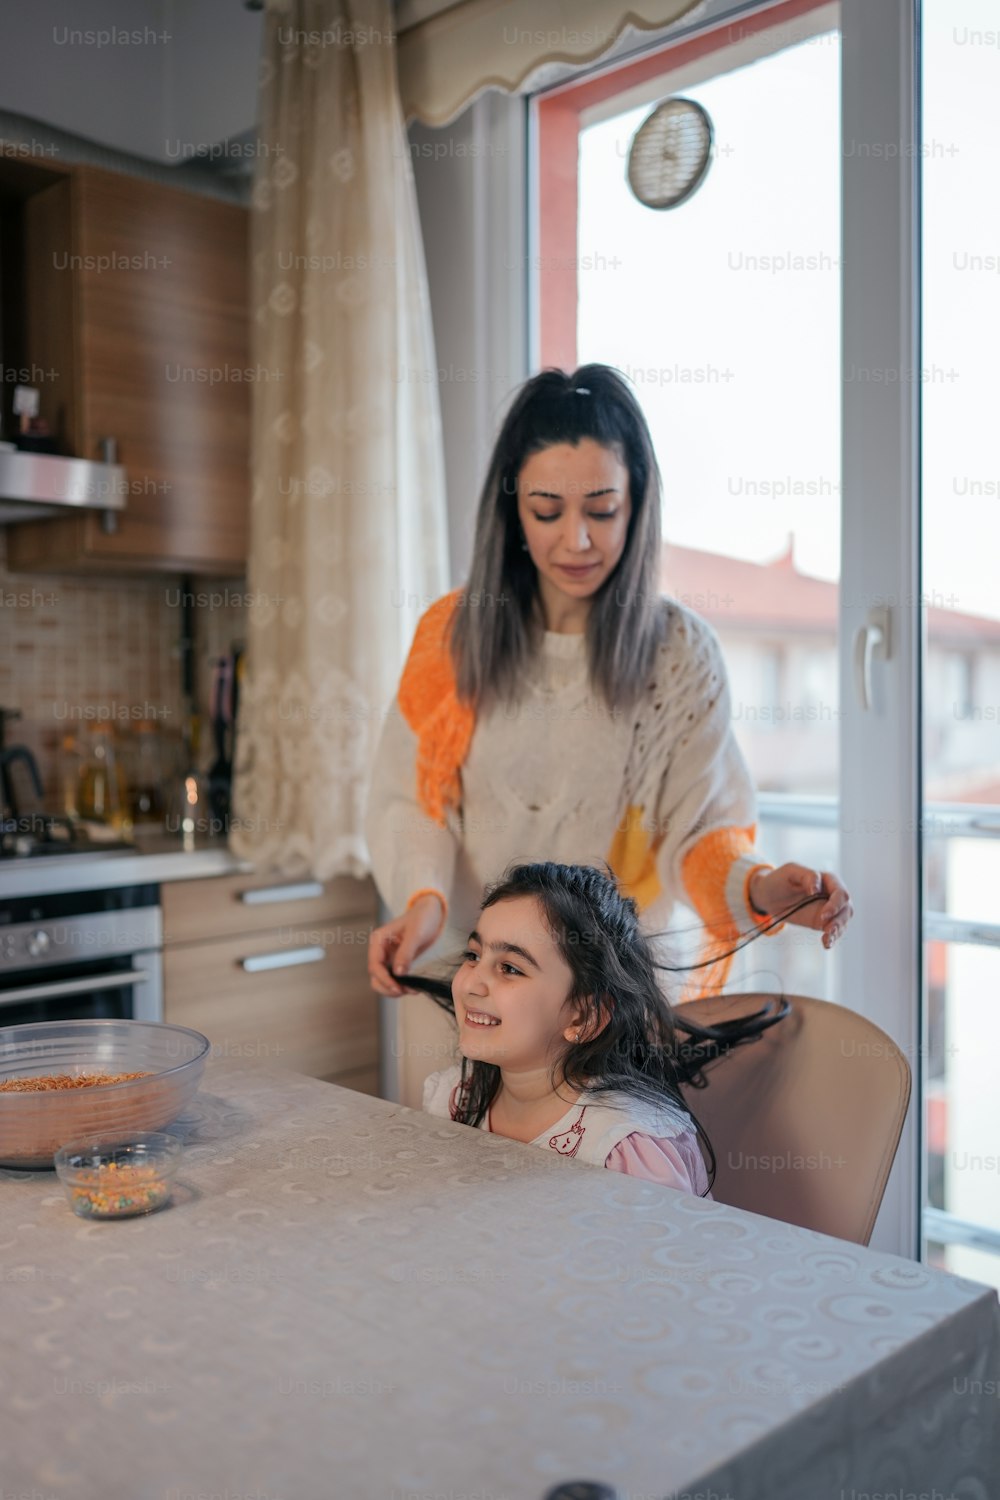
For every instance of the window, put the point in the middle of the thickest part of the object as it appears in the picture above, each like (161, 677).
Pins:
(725, 315)
(961, 319)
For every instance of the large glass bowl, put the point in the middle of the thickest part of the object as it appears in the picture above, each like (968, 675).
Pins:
(35, 1124)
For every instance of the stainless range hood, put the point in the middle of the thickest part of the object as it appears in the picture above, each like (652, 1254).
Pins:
(34, 486)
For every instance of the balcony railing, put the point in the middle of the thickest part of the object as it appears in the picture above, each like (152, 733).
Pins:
(946, 820)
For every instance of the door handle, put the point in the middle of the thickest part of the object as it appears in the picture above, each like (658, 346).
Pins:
(871, 641)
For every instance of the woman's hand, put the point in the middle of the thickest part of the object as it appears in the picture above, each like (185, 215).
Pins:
(774, 891)
(399, 943)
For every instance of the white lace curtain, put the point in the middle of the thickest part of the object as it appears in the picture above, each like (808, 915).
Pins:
(348, 516)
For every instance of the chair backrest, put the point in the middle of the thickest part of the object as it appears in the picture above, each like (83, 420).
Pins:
(806, 1120)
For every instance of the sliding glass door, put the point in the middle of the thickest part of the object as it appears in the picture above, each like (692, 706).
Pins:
(961, 731)
(769, 324)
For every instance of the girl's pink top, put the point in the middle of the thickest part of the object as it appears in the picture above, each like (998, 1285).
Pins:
(675, 1162)
(661, 1146)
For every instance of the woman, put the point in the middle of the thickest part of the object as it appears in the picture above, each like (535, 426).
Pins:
(561, 708)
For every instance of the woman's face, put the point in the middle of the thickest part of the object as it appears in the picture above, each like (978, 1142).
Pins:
(574, 505)
(511, 992)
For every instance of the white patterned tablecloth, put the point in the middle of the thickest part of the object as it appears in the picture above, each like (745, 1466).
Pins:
(351, 1299)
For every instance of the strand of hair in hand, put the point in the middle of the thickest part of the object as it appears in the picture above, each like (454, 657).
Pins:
(440, 989)
(707, 1042)
(703, 1044)
(748, 937)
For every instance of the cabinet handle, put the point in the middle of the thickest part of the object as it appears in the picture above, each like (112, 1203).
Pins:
(109, 455)
(117, 980)
(288, 958)
(305, 890)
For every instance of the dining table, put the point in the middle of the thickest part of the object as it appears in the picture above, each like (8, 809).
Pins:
(349, 1298)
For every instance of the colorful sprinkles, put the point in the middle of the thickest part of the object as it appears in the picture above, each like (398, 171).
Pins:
(118, 1189)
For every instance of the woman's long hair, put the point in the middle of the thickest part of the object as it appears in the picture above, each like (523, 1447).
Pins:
(645, 1050)
(497, 625)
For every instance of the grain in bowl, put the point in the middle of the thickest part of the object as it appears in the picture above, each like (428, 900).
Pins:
(100, 1080)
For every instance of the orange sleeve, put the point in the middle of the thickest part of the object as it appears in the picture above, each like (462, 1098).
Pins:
(717, 871)
(429, 704)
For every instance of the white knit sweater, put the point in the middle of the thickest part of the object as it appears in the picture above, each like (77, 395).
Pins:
(544, 781)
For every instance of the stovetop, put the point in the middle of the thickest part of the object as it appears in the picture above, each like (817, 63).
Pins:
(34, 835)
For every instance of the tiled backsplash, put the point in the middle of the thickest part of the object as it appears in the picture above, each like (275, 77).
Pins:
(75, 649)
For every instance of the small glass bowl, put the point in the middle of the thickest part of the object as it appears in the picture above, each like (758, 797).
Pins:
(118, 1179)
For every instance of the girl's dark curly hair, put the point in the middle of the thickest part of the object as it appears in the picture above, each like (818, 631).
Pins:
(641, 1047)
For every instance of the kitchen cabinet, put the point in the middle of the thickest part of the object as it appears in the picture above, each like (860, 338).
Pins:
(276, 970)
(136, 301)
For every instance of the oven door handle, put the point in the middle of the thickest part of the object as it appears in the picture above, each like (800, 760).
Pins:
(116, 980)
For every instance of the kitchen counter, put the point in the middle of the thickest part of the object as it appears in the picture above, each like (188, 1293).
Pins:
(154, 860)
(350, 1298)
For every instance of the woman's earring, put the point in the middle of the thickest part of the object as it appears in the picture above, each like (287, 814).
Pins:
(576, 1036)
(524, 545)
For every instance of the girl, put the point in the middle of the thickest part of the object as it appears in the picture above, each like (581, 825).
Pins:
(566, 1039)
(562, 707)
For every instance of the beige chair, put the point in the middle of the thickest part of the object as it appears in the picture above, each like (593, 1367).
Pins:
(804, 1121)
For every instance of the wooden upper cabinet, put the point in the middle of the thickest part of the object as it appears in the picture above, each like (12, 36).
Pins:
(138, 296)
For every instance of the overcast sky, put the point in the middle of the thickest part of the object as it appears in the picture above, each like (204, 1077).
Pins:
(725, 312)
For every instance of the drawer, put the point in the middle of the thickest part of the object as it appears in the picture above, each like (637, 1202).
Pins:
(318, 1017)
(194, 910)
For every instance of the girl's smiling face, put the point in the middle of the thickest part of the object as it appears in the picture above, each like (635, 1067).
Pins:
(574, 506)
(511, 992)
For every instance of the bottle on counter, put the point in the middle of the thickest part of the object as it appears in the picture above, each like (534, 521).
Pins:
(188, 812)
(146, 792)
(103, 794)
(71, 761)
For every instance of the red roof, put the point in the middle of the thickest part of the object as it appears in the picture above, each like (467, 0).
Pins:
(776, 597)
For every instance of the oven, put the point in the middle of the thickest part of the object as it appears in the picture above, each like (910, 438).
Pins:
(82, 955)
